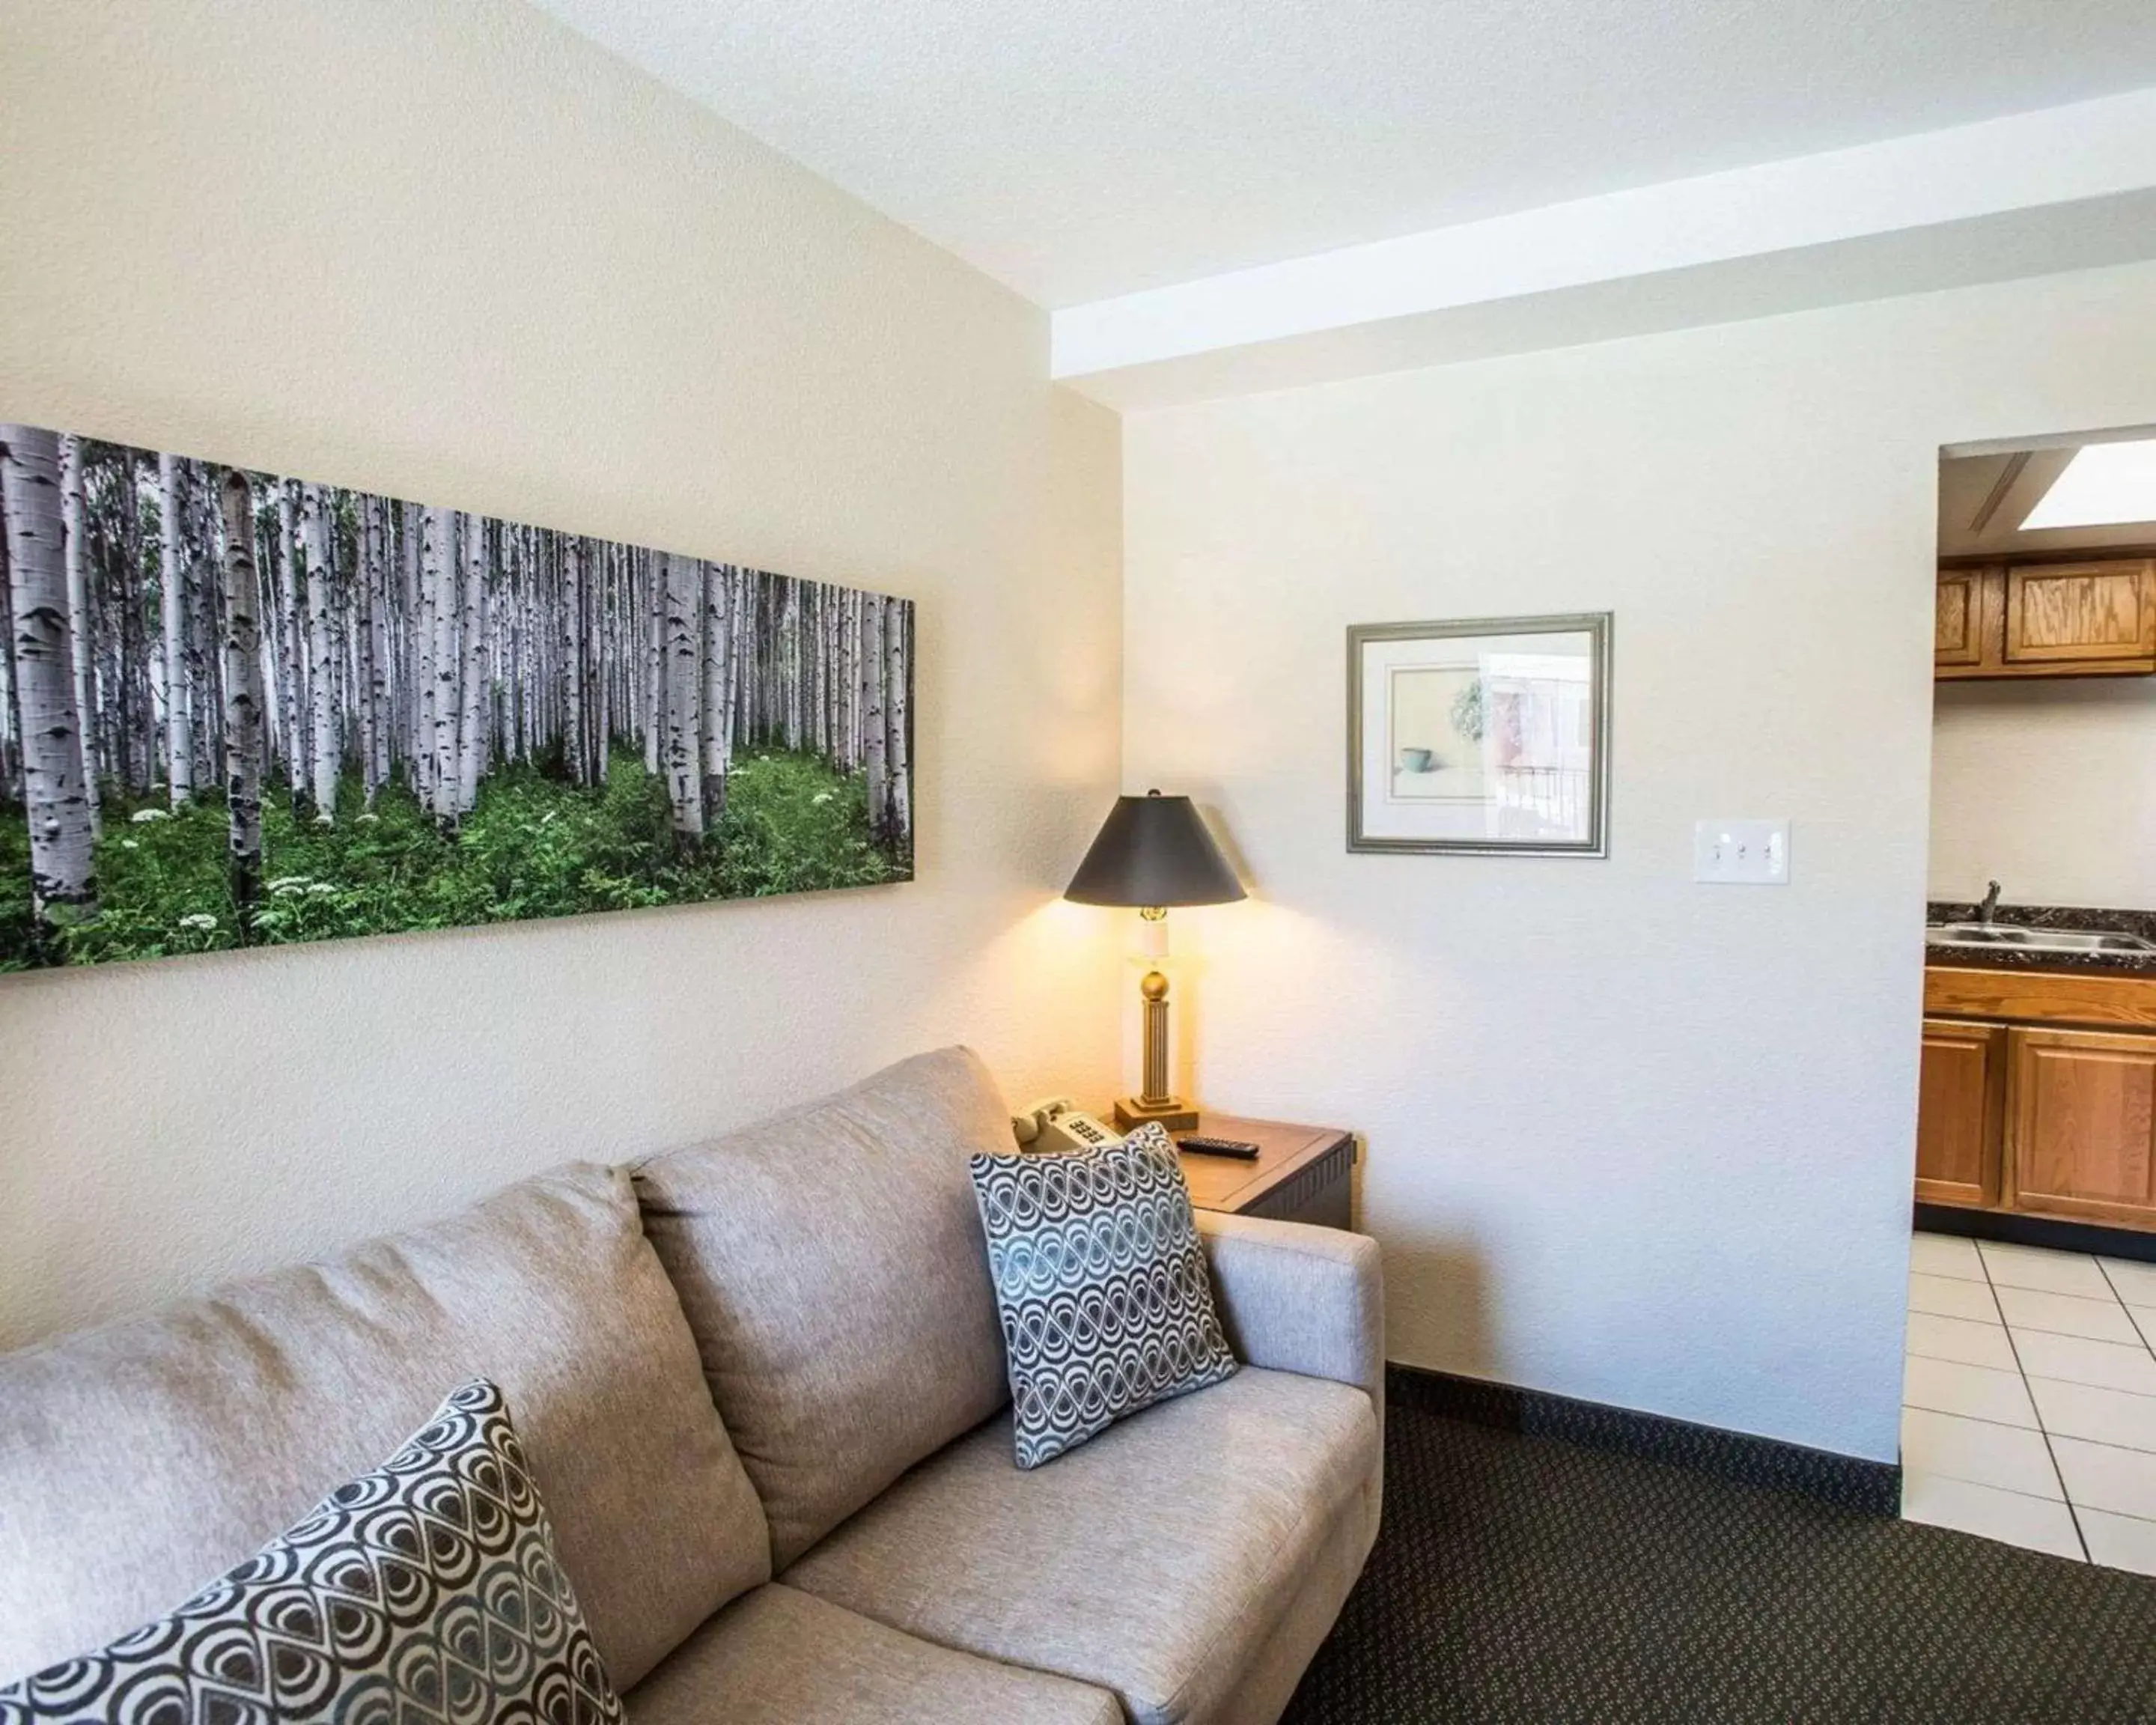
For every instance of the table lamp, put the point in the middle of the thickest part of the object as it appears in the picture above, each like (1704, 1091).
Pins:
(1153, 852)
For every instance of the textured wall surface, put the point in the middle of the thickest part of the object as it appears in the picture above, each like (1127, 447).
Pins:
(2048, 787)
(458, 254)
(1630, 1138)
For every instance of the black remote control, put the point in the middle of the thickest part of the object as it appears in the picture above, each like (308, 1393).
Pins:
(1239, 1149)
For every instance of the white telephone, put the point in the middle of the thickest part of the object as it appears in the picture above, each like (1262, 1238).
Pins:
(1057, 1123)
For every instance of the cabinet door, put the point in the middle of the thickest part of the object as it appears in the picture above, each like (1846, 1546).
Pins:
(2086, 616)
(2082, 1125)
(1960, 1112)
(1958, 628)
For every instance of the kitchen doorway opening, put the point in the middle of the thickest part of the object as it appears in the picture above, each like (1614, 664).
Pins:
(2030, 1383)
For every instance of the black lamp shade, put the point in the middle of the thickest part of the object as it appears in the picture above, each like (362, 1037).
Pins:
(1154, 851)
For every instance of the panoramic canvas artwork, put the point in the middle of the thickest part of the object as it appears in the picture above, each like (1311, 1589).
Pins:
(241, 710)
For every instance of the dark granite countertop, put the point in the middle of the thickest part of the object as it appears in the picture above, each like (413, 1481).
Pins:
(2140, 922)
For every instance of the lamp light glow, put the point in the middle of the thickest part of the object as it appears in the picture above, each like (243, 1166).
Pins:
(1153, 852)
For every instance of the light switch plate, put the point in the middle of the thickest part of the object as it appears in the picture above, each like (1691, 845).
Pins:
(1741, 853)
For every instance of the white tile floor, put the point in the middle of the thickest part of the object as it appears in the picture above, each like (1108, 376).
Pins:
(2029, 1406)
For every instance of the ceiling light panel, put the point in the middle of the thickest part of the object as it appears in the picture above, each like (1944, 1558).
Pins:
(2104, 485)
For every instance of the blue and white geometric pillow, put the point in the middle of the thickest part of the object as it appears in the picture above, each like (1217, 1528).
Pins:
(1101, 1284)
(428, 1590)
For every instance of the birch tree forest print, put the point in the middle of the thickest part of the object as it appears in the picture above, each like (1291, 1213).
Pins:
(240, 709)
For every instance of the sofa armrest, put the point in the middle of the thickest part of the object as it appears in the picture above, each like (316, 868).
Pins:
(1297, 1298)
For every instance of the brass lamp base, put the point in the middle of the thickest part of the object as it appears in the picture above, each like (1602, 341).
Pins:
(1172, 1116)
(1153, 1102)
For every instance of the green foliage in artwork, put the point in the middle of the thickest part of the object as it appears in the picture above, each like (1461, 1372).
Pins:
(533, 846)
(1467, 713)
(16, 929)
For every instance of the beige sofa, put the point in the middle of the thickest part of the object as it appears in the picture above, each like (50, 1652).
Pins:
(844, 1536)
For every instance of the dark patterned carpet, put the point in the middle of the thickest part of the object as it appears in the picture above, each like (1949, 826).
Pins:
(1524, 1579)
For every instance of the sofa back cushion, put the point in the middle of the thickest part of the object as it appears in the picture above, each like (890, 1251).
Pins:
(832, 1264)
(139, 1460)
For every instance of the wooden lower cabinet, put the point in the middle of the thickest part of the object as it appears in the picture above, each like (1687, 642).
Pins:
(1960, 1115)
(2080, 1119)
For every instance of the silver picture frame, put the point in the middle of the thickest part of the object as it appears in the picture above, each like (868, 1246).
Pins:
(1548, 795)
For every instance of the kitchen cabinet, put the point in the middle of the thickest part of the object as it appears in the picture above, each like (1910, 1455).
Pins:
(1960, 1114)
(2037, 1093)
(2082, 1119)
(1962, 628)
(2082, 619)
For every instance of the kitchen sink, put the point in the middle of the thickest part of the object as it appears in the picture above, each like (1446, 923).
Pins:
(2011, 938)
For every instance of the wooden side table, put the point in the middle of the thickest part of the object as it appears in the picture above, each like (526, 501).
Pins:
(1301, 1173)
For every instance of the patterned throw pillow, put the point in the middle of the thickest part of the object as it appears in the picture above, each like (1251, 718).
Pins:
(1106, 1304)
(427, 1590)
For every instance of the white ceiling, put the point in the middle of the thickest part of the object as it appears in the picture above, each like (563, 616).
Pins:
(1091, 148)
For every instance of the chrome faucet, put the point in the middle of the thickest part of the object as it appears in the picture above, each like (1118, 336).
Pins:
(1989, 908)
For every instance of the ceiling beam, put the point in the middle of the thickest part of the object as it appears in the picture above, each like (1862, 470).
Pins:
(2056, 188)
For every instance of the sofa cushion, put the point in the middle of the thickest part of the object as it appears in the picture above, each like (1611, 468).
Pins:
(832, 1266)
(138, 1460)
(430, 1587)
(1154, 1561)
(779, 1657)
(1263, 1688)
(1102, 1285)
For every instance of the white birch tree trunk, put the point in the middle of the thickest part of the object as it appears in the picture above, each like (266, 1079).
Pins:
(788, 667)
(11, 718)
(323, 724)
(385, 654)
(243, 712)
(368, 681)
(426, 686)
(572, 659)
(740, 657)
(63, 854)
(835, 614)
(79, 613)
(599, 654)
(412, 696)
(292, 650)
(171, 585)
(872, 737)
(202, 532)
(685, 640)
(844, 683)
(654, 661)
(442, 719)
(471, 733)
(266, 630)
(718, 696)
(527, 665)
(146, 731)
(898, 823)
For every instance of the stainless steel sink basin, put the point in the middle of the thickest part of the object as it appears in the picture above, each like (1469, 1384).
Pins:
(2015, 939)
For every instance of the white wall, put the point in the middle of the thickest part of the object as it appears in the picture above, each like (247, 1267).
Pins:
(2049, 788)
(455, 253)
(1630, 1138)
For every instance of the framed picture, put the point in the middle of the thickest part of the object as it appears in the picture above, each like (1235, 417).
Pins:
(1488, 737)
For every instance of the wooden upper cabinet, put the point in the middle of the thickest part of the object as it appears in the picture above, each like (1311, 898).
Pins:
(2081, 1117)
(1958, 633)
(2089, 615)
(1961, 1103)
(2047, 620)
